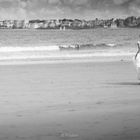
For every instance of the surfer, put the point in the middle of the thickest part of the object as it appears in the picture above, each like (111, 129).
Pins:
(138, 44)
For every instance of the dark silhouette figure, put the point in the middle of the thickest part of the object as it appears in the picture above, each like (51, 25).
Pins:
(138, 44)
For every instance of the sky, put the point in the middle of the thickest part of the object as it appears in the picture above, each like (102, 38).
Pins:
(58, 9)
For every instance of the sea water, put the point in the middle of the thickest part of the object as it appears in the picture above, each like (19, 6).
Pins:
(26, 44)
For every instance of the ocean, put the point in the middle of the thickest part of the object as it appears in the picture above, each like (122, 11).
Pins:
(54, 45)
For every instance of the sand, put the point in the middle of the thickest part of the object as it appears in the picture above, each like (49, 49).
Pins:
(78, 101)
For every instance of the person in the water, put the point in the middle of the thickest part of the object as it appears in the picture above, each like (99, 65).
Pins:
(138, 44)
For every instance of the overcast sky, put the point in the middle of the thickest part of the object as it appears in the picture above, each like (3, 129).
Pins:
(82, 9)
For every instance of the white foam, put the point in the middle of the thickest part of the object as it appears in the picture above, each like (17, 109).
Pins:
(44, 55)
(52, 52)
(21, 49)
(111, 45)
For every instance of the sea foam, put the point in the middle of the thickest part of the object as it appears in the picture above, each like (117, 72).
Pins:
(55, 52)
(35, 48)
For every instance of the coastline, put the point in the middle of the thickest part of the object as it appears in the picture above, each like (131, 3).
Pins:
(22, 58)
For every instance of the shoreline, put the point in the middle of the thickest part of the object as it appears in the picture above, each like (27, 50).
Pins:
(67, 59)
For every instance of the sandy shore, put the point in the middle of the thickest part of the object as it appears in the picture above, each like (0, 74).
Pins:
(78, 101)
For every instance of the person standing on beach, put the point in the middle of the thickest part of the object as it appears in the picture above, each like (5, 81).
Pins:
(138, 50)
(137, 60)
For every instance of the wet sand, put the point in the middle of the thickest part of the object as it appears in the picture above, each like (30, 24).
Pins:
(78, 101)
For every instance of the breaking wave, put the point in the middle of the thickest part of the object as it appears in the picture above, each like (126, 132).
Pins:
(86, 46)
(60, 52)
(22, 49)
(57, 47)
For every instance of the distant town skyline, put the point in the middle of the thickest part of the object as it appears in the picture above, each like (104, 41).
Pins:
(56, 9)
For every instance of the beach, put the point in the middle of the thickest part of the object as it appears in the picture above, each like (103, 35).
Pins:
(78, 101)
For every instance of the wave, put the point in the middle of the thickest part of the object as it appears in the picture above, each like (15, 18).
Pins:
(55, 52)
(22, 49)
(57, 47)
(86, 46)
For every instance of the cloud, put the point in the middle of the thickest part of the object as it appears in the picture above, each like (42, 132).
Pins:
(89, 9)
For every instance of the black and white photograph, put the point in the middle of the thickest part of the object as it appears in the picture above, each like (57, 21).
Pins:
(69, 69)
